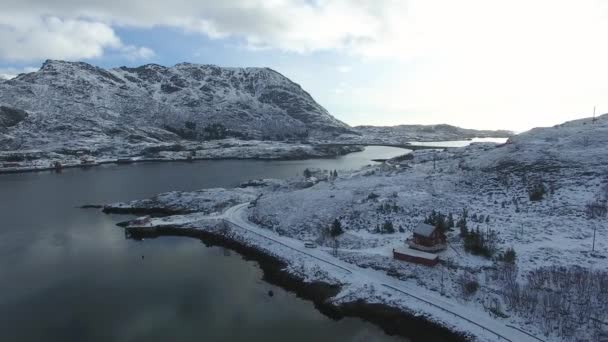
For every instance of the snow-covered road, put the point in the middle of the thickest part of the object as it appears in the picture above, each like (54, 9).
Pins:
(479, 323)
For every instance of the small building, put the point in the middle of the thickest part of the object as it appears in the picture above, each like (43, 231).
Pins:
(427, 238)
(415, 256)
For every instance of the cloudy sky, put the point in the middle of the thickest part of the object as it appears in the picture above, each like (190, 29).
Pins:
(480, 64)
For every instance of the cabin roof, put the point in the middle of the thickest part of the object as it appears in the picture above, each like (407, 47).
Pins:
(416, 253)
(424, 229)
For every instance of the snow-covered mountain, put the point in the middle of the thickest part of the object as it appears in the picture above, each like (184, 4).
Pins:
(71, 102)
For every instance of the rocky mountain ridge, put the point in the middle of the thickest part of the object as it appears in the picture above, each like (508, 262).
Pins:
(70, 101)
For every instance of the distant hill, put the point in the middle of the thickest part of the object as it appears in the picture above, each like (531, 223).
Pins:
(427, 132)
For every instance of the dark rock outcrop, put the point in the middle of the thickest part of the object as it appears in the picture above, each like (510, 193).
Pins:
(10, 117)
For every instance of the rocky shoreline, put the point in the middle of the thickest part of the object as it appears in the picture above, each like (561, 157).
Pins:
(392, 320)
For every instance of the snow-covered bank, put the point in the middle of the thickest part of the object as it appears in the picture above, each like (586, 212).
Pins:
(277, 271)
(362, 293)
(530, 195)
(41, 160)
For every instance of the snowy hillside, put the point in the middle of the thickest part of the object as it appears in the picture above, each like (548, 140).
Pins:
(411, 134)
(575, 144)
(524, 253)
(75, 101)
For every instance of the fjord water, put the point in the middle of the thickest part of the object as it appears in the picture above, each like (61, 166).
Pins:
(69, 274)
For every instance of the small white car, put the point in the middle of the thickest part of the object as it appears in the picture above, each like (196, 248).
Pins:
(310, 244)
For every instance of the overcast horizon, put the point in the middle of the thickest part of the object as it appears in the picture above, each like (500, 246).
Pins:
(473, 64)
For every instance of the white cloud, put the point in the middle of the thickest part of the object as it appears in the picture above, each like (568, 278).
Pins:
(52, 37)
(478, 63)
(8, 73)
(137, 53)
(290, 25)
(515, 64)
(342, 88)
(29, 38)
(344, 68)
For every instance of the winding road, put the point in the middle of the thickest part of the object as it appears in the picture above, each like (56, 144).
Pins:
(490, 327)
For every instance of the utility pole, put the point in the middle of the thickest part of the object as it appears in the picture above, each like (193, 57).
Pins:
(593, 245)
(442, 271)
(596, 210)
(594, 119)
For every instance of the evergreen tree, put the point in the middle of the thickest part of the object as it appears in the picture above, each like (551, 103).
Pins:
(215, 131)
(479, 243)
(336, 246)
(307, 173)
(387, 227)
(438, 220)
(190, 125)
(336, 228)
(462, 225)
(509, 256)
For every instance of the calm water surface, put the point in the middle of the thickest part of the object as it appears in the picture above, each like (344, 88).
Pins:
(69, 274)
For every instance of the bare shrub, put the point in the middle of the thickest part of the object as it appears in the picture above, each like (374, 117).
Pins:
(537, 192)
(568, 301)
(468, 284)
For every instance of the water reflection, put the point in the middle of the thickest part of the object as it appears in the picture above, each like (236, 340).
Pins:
(69, 274)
